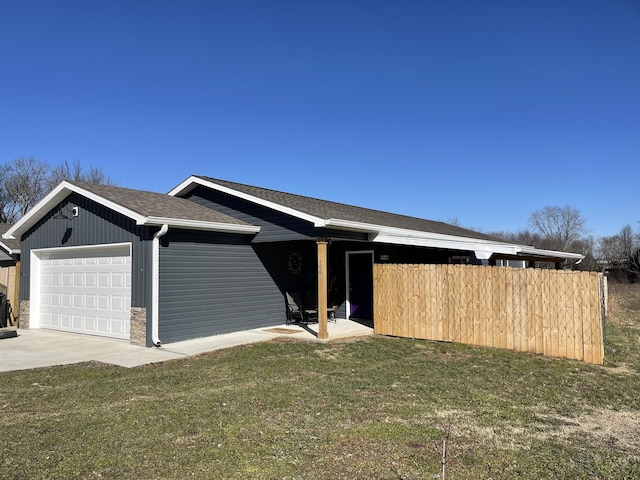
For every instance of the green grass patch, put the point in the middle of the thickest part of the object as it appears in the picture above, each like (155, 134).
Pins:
(375, 407)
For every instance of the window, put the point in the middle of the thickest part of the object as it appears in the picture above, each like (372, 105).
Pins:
(460, 259)
(510, 263)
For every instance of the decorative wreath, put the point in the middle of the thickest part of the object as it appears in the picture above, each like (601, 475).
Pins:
(295, 262)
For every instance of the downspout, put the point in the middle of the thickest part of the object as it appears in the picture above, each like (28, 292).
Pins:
(155, 284)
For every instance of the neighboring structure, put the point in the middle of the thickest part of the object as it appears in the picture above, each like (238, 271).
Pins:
(215, 256)
(9, 247)
(9, 279)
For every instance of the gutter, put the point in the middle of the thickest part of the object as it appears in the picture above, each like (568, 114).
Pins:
(552, 253)
(200, 225)
(155, 284)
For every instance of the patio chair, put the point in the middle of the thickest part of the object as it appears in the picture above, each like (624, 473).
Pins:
(297, 313)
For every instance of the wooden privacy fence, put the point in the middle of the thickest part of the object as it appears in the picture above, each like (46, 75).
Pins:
(10, 286)
(551, 312)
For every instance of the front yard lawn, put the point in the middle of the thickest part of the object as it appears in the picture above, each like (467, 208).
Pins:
(367, 408)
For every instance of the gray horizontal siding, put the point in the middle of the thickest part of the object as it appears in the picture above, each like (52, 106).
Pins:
(94, 225)
(274, 226)
(213, 288)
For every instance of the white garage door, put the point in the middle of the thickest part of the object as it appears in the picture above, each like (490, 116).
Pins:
(86, 291)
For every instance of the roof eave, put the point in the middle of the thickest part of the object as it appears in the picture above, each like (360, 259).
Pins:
(526, 250)
(482, 248)
(201, 225)
(401, 232)
(9, 250)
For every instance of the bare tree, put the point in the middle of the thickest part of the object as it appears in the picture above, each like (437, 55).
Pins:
(4, 199)
(620, 254)
(24, 183)
(586, 246)
(26, 180)
(560, 226)
(619, 247)
(521, 237)
(75, 172)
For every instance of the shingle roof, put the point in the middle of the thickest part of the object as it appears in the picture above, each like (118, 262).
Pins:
(332, 210)
(8, 242)
(153, 204)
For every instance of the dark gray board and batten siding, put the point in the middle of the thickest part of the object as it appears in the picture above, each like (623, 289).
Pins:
(94, 225)
(212, 284)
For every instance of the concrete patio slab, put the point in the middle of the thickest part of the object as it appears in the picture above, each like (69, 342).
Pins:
(44, 348)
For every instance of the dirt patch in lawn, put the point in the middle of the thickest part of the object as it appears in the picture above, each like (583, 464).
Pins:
(604, 427)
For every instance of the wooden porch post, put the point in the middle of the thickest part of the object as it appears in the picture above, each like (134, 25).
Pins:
(323, 334)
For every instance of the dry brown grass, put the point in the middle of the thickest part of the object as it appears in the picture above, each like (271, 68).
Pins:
(624, 304)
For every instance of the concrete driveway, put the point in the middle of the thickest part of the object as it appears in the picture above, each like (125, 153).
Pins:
(44, 348)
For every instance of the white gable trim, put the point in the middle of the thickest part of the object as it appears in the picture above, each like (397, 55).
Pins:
(482, 248)
(65, 188)
(54, 197)
(190, 183)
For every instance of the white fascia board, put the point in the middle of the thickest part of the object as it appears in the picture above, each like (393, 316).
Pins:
(188, 185)
(10, 251)
(483, 249)
(453, 243)
(200, 225)
(353, 226)
(185, 186)
(56, 196)
(380, 233)
(526, 250)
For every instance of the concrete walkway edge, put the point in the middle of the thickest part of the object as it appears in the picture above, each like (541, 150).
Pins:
(44, 348)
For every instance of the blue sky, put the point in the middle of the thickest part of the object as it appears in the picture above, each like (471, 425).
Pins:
(477, 111)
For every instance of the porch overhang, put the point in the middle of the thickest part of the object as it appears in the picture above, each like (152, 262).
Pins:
(482, 249)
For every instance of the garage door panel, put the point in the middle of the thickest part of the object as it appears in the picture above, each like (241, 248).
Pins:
(91, 280)
(65, 300)
(87, 291)
(90, 302)
(118, 280)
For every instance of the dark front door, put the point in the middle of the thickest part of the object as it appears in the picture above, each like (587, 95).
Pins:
(361, 285)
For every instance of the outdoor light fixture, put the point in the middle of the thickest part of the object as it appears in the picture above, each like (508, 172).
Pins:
(66, 213)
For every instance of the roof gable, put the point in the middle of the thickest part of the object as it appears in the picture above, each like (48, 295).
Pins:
(146, 208)
(323, 211)
(383, 227)
(329, 210)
